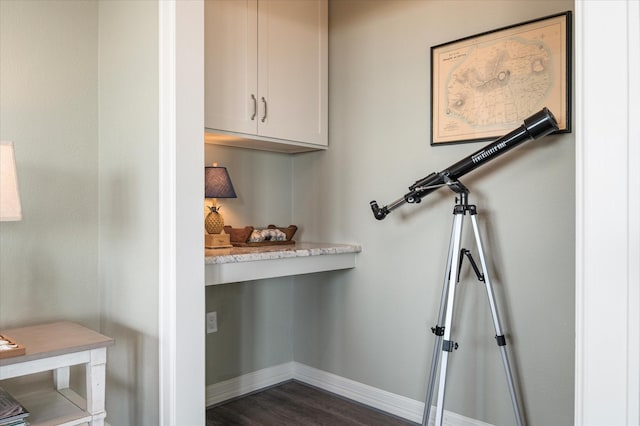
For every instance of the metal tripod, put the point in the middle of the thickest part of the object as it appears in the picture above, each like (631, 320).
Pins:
(442, 330)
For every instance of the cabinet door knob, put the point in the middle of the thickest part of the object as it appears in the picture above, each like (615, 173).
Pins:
(264, 101)
(255, 107)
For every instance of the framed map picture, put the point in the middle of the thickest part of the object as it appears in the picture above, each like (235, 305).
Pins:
(484, 86)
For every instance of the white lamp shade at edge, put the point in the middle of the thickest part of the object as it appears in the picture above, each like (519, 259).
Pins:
(10, 208)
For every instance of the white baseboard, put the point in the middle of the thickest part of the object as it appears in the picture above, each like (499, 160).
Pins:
(248, 383)
(368, 395)
(382, 400)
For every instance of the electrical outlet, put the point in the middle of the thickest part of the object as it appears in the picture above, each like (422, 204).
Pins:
(212, 322)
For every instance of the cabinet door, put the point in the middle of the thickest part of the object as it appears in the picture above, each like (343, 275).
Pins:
(231, 95)
(293, 70)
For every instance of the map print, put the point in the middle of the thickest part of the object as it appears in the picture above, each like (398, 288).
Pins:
(484, 86)
(499, 84)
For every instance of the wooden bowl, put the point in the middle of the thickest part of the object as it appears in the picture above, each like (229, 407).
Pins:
(240, 236)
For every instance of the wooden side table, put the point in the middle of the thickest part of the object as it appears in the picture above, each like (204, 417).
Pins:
(56, 347)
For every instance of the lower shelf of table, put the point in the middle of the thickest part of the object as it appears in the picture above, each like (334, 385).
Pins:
(49, 407)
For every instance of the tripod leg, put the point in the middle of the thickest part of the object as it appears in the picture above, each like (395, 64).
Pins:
(438, 330)
(447, 344)
(496, 323)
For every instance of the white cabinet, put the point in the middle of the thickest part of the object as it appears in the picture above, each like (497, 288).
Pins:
(266, 74)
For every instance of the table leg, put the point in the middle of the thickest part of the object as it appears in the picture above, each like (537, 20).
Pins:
(61, 378)
(96, 372)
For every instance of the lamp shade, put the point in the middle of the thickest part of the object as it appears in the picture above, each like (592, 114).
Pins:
(9, 196)
(217, 183)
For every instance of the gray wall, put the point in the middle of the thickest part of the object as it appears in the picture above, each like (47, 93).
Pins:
(79, 98)
(128, 185)
(48, 108)
(372, 324)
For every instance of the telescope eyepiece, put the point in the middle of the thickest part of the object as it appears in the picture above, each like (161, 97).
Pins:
(378, 213)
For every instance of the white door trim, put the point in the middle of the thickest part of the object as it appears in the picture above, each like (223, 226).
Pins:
(181, 278)
(607, 212)
(167, 211)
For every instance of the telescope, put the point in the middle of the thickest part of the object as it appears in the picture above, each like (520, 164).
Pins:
(536, 126)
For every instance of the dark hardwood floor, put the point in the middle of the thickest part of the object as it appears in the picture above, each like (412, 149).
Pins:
(294, 403)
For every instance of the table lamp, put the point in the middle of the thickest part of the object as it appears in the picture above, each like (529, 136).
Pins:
(217, 184)
(10, 210)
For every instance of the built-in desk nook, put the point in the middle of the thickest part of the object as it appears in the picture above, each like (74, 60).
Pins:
(252, 263)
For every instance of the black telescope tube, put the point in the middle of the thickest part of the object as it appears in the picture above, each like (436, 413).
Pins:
(538, 125)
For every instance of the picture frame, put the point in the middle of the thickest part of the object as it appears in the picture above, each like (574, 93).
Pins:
(485, 85)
